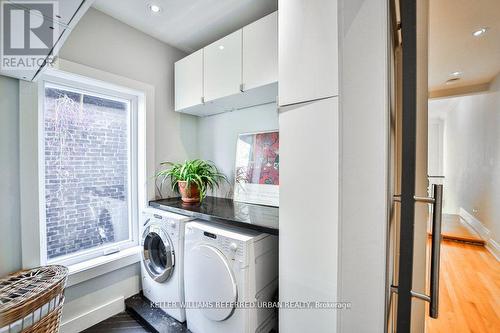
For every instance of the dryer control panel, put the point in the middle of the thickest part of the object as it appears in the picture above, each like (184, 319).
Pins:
(233, 249)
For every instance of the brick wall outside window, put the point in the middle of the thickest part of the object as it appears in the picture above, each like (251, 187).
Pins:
(86, 171)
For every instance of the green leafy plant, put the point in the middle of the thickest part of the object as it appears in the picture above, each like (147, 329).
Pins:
(204, 174)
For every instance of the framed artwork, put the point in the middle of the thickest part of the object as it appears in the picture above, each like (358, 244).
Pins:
(257, 168)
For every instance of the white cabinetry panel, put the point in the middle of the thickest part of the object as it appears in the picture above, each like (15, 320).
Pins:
(308, 50)
(260, 52)
(222, 67)
(64, 9)
(189, 80)
(309, 158)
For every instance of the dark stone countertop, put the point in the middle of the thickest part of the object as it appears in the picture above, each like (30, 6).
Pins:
(227, 212)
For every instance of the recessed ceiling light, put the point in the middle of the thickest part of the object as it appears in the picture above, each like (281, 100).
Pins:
(455, 74)
(479, 32)
(154, 8)
(221, 47)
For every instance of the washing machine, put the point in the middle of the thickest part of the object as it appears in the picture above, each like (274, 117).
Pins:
(226, 272)
(162, 270)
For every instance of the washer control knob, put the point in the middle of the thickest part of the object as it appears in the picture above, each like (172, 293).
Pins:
(233, 247)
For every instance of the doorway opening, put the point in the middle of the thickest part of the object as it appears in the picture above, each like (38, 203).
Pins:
(443, 252)
(464, 156)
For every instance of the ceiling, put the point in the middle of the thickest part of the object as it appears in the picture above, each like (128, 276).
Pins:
(191, 24)
(187, 24)
(453, 48)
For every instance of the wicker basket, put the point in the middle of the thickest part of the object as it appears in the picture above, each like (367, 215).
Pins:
(32, 300)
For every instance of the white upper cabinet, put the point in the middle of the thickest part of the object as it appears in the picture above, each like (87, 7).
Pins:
(66, 9)
(260, 52)
(222, 67)
(308, 50)
(189, 81)
(65, 16)
(237, 71)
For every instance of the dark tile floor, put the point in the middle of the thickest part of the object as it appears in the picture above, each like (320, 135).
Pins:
(122, 322)
(140, 317)
(154, 318)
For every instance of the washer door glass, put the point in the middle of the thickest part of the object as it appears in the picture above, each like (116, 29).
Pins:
(157, 253)
(211, 280)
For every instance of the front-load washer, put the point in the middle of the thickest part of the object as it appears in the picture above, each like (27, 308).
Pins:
(226, 272)
(162, 269)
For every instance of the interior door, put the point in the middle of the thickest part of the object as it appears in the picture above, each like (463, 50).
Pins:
(410, 202)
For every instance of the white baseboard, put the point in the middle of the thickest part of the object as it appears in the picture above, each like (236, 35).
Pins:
(94, 316)
(494, 248)
(483, 232)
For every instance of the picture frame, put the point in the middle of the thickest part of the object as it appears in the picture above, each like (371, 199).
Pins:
(256, 179)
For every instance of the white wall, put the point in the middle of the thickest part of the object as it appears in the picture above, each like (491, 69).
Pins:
(217, 136)
(120, 49)
(10, 228)
(435, 147)
(364, 163)
(91, 301)
(472, 157)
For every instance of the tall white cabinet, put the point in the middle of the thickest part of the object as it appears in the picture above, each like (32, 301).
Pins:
(308, 244)
(309, 159)
(308, 50)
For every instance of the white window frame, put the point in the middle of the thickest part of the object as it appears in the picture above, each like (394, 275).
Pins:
(62, 81)
(31, 102)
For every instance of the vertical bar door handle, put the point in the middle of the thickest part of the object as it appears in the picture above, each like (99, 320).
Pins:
(435, 249)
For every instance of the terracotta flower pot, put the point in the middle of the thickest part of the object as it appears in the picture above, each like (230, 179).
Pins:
(189, 194)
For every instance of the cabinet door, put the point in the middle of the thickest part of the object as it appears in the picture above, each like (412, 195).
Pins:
(260, 52)
(308, 50)
(64, 10)
(189, 81)
(222, 67)
(309, 140)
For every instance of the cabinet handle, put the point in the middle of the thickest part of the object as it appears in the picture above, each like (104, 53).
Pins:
(437, 202)
(435, 249)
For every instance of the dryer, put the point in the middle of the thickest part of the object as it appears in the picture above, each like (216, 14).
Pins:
(226, 271)
(162, 262)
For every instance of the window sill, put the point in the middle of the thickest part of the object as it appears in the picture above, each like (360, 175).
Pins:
(90, 269)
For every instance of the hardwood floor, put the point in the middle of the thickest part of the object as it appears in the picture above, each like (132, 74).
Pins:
(122, 322)
(454, 228)
(469, 290)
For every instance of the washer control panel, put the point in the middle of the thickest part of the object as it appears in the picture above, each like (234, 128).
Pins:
(171, 225)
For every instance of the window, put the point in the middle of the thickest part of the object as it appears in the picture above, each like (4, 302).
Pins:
(89, 202)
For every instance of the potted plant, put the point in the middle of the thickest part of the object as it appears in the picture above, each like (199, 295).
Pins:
(191, 179)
